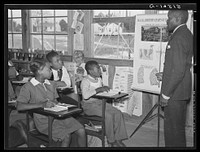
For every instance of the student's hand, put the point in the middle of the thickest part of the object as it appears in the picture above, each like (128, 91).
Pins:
(102, 89)
(49, 104)
(61, 84)
(159, 76)
(19, 77)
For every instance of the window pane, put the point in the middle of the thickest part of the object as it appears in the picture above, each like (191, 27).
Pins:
(48, 42)
(61, 12)
(36, 25)
(16, 13)
(35, 13)
(9, 13)
(48, 12)
(61, 43)
(9, 26)
(17, 38)
(17, 25)
(9, 40)
(36, 42)
(48, 25)
(117, 13)
(100, 13)
(114, 39)
(61, 25)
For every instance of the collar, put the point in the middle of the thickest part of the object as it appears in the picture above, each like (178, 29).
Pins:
(92, 79)
(178, 27)
(36, 82)
(56, 70)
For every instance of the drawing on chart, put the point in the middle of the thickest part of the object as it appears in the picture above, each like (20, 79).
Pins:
(147, 54)
(140, 75)
(153, 78)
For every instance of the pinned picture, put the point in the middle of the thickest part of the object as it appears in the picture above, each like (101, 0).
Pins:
(79, 27)
(78, 15)
(74, 24)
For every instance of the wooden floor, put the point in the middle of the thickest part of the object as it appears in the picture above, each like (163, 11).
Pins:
(146, 136)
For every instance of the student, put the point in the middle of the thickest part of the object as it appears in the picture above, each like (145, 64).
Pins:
(61, 76)
(40, 92)
(91, 85)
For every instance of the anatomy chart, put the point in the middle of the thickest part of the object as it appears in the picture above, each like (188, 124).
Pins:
(151, 39)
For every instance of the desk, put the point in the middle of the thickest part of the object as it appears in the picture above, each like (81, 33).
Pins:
(51, 115)
(114, 97)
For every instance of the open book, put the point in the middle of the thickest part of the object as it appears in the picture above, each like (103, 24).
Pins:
(109, 94)
(60, 107)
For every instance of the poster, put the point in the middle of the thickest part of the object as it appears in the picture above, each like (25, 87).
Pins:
(151, 38)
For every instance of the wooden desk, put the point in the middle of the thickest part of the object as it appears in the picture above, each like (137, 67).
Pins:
(51, 115)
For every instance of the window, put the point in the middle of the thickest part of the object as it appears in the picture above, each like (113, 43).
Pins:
(48, 30)
(14, 29)
(113, 32)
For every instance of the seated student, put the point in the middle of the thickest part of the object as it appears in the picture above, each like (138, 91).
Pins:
(91, 85)
(14, 75)
(40, 92)
(61, 76)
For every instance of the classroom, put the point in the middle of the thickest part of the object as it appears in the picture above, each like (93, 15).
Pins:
(117, 76)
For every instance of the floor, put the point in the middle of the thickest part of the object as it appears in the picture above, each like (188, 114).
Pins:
(146, 136)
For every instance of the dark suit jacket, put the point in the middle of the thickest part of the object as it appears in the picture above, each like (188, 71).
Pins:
(177, 80)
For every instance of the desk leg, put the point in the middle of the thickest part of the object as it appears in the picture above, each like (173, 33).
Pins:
(50, 122)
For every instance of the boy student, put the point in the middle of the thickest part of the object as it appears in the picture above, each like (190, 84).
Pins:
(40, 92)
(91, 85)
(59, 72)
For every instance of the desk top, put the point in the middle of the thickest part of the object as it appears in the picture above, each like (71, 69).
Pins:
(61, 114)
(25, 79)
(115, 97)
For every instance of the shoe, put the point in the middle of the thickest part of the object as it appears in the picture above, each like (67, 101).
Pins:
(121, 143)
(115, 144)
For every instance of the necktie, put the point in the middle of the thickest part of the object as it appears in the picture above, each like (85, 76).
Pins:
(60, 74)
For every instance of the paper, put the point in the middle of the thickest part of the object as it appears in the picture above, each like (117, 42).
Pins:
(78, 15)
(78, 41)
(79, 27)
(60, 107)
(12, 101)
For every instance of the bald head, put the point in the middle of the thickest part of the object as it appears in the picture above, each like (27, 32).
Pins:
(180, 14)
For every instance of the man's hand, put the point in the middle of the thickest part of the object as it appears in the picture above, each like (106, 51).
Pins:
(159, 76)
(163, 102)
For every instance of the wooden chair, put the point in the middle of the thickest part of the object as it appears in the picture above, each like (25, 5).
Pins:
(96, 120)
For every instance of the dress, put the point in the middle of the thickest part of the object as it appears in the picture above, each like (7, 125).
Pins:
(33, 92)
(177, 84)
(115, 125)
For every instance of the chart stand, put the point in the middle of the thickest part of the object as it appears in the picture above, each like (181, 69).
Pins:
(149, 117)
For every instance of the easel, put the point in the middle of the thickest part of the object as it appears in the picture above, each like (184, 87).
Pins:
(149, 115)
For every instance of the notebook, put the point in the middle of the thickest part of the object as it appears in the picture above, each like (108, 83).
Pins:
(60, 107)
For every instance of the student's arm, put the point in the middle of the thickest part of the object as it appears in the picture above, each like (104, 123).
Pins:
(66, 78)
(24, 98)
(87, 92)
